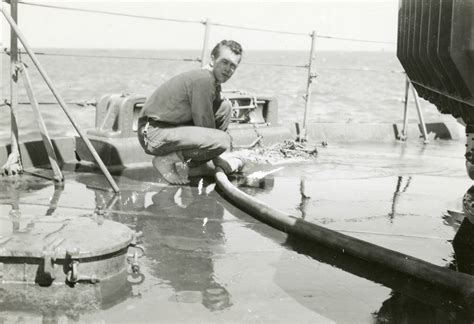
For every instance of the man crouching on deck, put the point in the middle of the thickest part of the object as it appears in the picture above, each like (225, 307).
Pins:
(183, 122)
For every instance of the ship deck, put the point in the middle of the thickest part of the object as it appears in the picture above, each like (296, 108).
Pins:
(208, 261)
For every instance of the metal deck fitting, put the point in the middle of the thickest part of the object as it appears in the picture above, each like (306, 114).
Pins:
(51, 250)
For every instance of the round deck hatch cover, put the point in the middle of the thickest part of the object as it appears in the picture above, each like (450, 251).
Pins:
(83, 237)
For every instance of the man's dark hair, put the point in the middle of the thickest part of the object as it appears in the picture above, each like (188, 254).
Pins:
(232, 45)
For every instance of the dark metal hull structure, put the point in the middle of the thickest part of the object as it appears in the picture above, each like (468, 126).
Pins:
(436, 49)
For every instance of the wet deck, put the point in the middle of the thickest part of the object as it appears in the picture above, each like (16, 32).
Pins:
(207, 261)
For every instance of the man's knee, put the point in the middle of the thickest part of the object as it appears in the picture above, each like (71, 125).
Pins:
(210, 147)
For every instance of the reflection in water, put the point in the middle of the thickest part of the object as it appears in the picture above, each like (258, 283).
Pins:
(463, 245)
(53, 202)
(183, 233)
(411, 301)
(183, 237)
(402, 309)
(266, 185)
(129, 200)
(463, 242)
(397, 194)
(59, 303)
(427, 303)
(304, 199)
(14, 188)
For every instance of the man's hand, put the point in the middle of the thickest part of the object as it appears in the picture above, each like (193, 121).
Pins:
(228, 163)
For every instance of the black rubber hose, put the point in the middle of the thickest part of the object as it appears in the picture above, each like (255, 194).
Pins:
(451, 280)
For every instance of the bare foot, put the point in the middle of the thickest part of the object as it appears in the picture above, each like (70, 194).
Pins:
(183, 169)
(166, 166)
(228, 163)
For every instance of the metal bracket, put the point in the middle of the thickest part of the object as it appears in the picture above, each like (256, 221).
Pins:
(72, 274)
(136, 276)
(73, 277)
(48, 265)
(247, 113)
(132, 258)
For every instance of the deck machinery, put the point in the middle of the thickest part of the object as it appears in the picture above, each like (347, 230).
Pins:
(436, 48)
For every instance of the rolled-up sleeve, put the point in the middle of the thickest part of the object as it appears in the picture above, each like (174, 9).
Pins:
(201, 98)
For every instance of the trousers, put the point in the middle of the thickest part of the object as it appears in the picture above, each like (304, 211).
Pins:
(196, 144)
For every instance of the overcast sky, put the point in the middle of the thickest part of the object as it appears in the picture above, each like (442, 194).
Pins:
(371, 20)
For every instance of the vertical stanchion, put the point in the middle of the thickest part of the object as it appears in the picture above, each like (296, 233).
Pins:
(60, 100)
(311, 76)
(403, 135)
(205, 45)
(420, 114)
(13, 164)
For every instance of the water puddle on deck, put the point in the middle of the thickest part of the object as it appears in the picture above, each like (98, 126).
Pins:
(208, 261)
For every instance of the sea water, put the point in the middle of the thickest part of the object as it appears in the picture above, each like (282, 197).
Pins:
(351, 87)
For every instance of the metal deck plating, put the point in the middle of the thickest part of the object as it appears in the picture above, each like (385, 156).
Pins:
(207, 261)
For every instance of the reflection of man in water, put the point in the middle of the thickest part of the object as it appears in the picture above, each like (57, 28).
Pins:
(184, 243)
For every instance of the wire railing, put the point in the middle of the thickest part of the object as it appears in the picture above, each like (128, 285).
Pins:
(154, 58)
(17, 67)
(122, 57)
(204, 56)
(109, 13)
(355, 39)
(265, 30)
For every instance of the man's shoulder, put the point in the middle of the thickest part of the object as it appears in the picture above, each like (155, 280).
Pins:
(197, 74)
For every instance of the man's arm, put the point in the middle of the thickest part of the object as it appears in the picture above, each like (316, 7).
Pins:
(201, 103)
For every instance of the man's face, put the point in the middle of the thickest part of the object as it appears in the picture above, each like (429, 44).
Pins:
(225, 65)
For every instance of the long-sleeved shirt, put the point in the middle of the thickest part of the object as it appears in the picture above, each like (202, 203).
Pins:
(190, 98)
